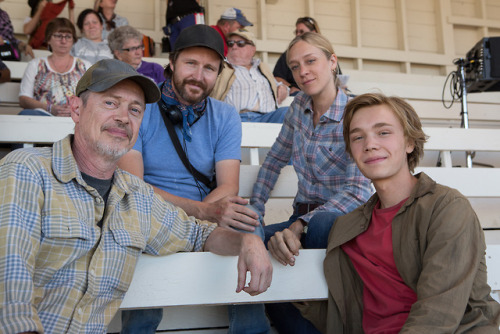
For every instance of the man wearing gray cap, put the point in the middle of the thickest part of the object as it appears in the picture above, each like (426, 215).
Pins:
(72, 224)
(231, 20)
(208, 136)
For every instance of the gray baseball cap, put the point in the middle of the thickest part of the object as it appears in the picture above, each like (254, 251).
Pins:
(108, 72)
(236, 14)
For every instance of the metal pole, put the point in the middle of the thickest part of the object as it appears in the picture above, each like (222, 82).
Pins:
(465, 115)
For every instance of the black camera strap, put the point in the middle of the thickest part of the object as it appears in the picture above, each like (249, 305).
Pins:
(180, 152)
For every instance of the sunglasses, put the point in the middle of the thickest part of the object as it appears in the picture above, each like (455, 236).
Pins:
(240, 43)
(133, 49)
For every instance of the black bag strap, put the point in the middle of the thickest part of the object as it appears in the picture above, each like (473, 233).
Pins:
(182, 155)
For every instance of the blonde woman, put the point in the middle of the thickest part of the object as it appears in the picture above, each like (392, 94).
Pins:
(329, 183)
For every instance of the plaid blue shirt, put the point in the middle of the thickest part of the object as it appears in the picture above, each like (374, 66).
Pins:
(60, 272)
(326, 173)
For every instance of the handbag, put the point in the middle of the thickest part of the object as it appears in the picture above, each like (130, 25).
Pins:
(9, 51)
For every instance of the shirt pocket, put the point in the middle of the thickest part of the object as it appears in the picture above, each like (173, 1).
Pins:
(59, 224)
(128, 246)
(129, 238)
(65, 238)
(331, 160)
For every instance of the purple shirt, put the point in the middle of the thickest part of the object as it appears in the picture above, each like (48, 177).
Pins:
(6, 29)
(326, 173)
(152, 70)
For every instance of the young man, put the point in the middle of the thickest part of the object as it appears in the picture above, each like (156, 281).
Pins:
(72, 225)
(209, 132)
(410, 260)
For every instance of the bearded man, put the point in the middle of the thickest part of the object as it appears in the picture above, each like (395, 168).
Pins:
(208, 133)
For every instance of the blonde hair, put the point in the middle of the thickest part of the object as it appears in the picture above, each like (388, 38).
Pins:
(404, 112)
(319, 41)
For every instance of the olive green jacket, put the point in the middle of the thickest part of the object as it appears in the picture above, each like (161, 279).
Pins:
(439, 249)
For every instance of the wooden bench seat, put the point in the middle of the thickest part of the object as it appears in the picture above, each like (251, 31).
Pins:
(163, 281)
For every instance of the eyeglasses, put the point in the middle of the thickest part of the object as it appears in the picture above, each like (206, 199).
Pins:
(60, 37)
(240, 43)
(133, 49)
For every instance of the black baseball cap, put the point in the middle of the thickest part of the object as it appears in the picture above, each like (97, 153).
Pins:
(108, 72)
(200, 35)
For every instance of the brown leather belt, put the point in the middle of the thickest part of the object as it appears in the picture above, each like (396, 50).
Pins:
(304, 208)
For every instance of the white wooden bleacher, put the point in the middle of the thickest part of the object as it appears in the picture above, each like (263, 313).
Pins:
(170, 289)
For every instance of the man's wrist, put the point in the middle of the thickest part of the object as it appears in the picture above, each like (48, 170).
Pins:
(298, 227)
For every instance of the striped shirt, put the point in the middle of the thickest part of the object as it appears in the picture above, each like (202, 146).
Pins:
(60, 272)
(251, 90)
(326, 173)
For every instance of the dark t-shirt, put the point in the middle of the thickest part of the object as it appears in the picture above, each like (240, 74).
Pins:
(103, 187)
(282, 70)
(181, 7)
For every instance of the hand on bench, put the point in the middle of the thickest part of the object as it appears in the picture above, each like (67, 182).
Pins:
(252, 256)
(284, 246)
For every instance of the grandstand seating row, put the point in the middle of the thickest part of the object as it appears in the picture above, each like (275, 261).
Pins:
(180, 282)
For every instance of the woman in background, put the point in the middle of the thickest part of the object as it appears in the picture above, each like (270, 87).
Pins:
(126, 43)
(7, 35)
(281, 71)
(106, 8)
(91, 46)
(42, 12)
(49, 82)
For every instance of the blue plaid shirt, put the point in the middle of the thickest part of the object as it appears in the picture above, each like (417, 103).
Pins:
(326, 173)
(59, 271)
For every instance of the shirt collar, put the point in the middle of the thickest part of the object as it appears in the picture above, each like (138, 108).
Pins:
(336, 110)
(66, 169)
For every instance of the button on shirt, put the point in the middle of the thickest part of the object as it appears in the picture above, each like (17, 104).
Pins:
(60, 272)
(326, 173)
(250, 90)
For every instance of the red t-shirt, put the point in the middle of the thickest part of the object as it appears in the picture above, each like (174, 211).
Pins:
(223, 38)
(387, 300)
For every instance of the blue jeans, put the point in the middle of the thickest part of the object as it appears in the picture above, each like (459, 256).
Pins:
(285, 317)
(243, 319)
(33, 112)
(276, 116)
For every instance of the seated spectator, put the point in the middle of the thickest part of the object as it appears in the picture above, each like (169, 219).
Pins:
(7, 35)
(91, 47)
(49, 82)
(329, 183)
(231, 20)
(180, 15)
(248, 84)
(42, 12)
(106, 8)
(410, 260)
(4, 72)
(126, 44)
(281, 71)
(73, 225)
